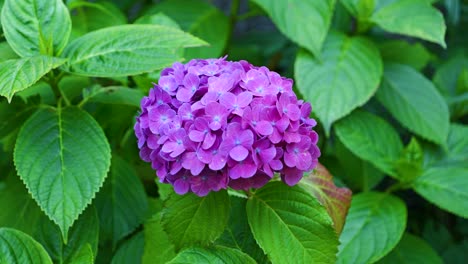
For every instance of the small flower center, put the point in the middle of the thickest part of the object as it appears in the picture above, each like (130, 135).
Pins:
(296, 151)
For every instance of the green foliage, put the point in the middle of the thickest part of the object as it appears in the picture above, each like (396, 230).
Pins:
(345, 77)
(192, 220)
(374, 225)
(216, 254)
(414, 250)
(18, 248)
(388, 85)
(413, 18)
(286, 238)
(121, 203)
(52, 151)
(425, 114)
(371, 138)
(126, 50)
(305, 22)
(46, 32)
(20, 74)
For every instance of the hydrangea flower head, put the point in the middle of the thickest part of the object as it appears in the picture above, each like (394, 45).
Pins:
(212, 124)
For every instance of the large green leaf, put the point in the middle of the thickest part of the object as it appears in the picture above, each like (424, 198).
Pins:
(34, 27)
(19, 74)
(304, 22)
(18, 248)
(291, 226)
(158, 247)
(200, 19)
(126, 50)
(19, 210)
(83, 233)
(375, 224)
(336, 200)
(189, 219)
(372, 139)
(215, 254)
(346, 78)
(63, 157)
(121, 203)
(447, 187)
(403, 52)
(412, 250)
(130, 251)
(237, 233)
(414, 101)
(413, 18)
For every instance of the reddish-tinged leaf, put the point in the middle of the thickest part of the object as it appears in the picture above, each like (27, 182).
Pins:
(336, 200)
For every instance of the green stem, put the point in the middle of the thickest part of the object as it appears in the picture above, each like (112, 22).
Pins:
(53, 82)
(232, 22)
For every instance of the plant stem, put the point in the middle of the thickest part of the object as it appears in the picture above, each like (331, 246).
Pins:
(232, 22)
(53, 82)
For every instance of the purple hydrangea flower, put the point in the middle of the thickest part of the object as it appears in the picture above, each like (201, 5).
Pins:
(212, 124)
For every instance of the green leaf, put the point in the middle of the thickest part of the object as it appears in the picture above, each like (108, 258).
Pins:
(84, 256)
(446, 79)
(215, 254)
(346, 78)
(447, 187)
(130, 251)
(304, 22)
(17, 75)
(126, 50)
(403, 52)
(121, 203)
(410, 164)
(158, 248)
(63, 157)
(192, 220)
(412, 250)
(114, 95)
(362, 9)
(87, 17)
(454, 152)
(19, 210)
(336, 200)
(83, 233)
(457, 144)
(200, 19)
(34, 27)
(357, 173)
(18, 248)
(372, 139)
(6, 52)
(291, 226)
(375, 224)
(237, 233)
(158, 19)
(415, 18)
(414, 102)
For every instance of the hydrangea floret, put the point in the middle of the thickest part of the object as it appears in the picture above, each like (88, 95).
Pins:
(212, 124)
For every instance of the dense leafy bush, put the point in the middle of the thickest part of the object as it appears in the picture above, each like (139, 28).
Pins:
(388, 84)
